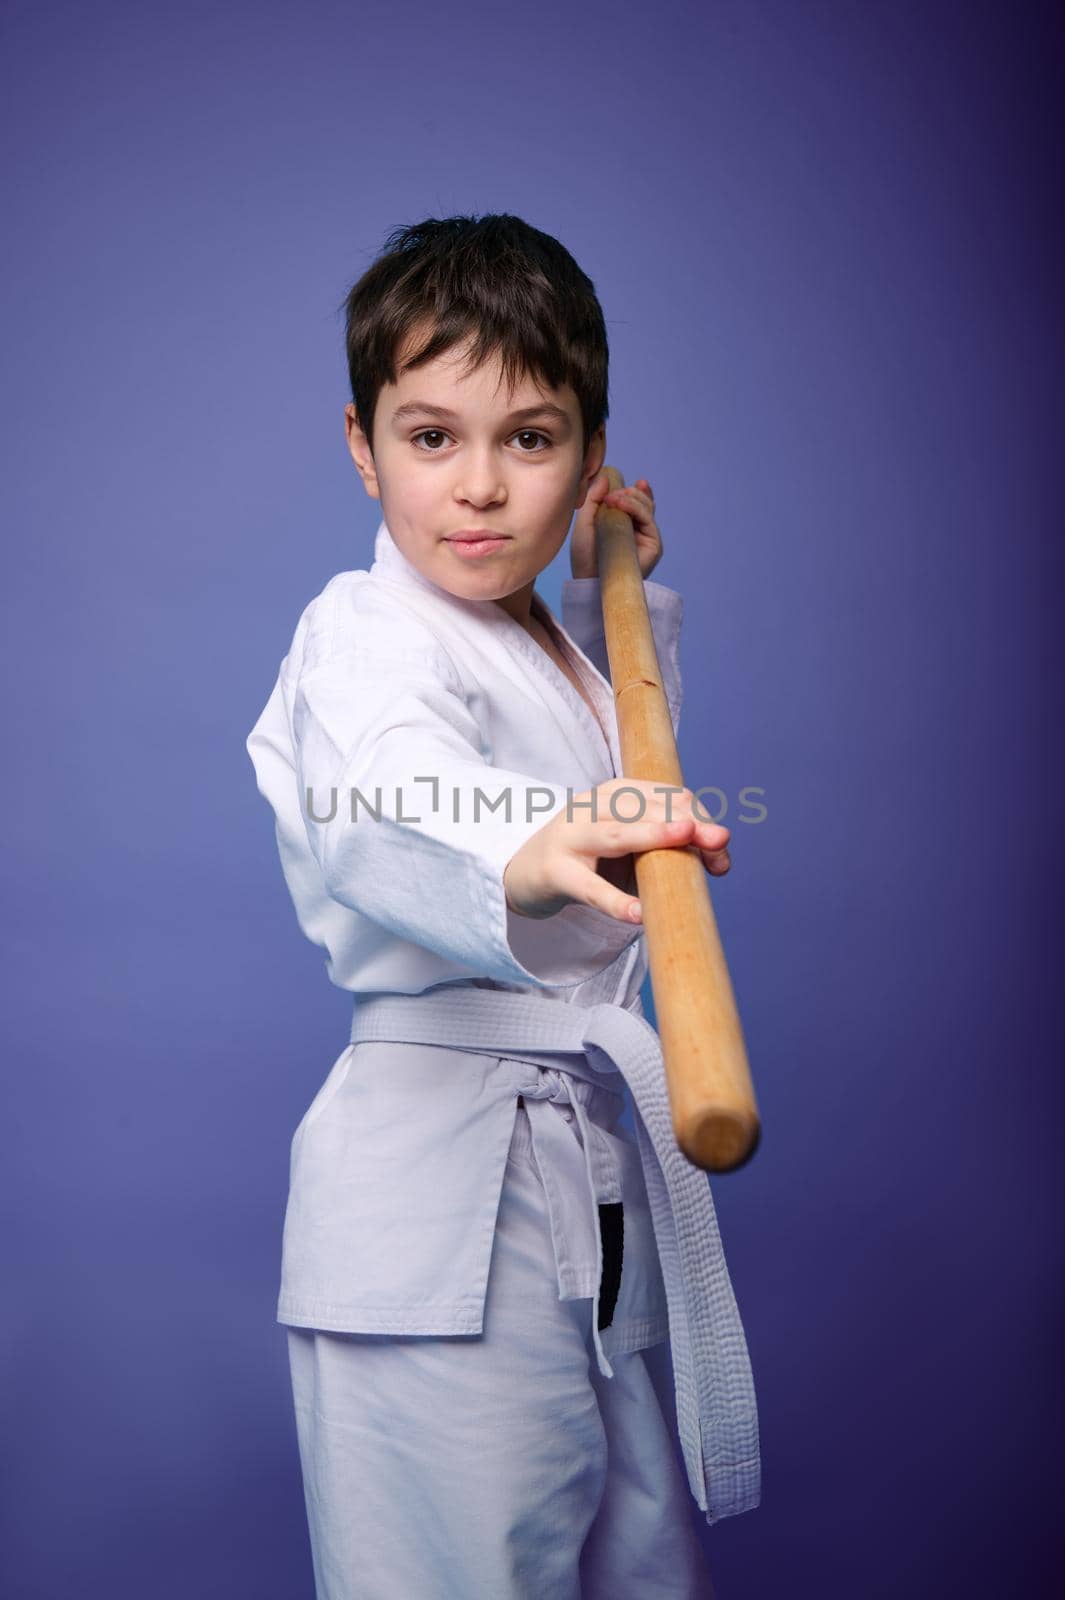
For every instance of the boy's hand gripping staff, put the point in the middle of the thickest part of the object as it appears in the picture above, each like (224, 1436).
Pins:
(711, 1096)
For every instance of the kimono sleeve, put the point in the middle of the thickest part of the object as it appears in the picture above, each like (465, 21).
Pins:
(582, 618)
(410, 824)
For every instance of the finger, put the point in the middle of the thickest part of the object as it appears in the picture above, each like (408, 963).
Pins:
(641, 513)
(716, 862)
(630, 497)
(617, 837)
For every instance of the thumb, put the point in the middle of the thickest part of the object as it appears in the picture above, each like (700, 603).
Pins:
(591, 889)
(599, 487)
(582, 541)
(596, 492)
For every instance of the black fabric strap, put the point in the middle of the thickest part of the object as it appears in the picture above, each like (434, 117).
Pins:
(612, 1232)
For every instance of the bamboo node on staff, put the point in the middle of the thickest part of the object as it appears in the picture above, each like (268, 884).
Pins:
(637, 683)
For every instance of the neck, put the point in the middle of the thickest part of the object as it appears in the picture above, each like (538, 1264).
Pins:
(519, 604)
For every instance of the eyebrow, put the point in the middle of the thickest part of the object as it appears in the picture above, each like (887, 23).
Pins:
(421, 408)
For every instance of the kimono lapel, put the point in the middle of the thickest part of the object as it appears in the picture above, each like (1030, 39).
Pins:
(582, 731)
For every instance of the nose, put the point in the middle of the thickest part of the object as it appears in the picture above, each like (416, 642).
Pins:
(480, 482)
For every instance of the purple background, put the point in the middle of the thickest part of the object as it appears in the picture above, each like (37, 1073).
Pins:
(824, 236)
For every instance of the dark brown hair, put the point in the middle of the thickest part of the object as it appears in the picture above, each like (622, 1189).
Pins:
(515, 290)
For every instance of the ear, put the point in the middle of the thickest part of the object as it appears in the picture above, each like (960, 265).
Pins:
(361, 454)
(593, 464)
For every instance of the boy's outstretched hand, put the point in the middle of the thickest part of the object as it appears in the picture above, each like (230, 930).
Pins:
(557, 865)
(637, 503)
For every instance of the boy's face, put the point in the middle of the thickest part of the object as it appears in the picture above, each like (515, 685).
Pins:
(482, 467)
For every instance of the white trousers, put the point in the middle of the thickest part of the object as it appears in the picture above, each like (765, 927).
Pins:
(497, 1466)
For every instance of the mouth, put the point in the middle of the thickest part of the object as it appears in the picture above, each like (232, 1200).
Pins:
(478, 542)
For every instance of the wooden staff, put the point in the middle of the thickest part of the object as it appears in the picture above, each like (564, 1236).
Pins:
(711, 1096)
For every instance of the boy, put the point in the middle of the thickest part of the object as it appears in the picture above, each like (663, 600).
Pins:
(475, 1255)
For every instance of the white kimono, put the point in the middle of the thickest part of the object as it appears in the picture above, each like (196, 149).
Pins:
(413, 741)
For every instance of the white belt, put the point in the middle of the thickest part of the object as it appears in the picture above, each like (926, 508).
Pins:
(548, 1091)
(717, 1416)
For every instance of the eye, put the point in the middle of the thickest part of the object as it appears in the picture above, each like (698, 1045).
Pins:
(429, 450)
(531, 433)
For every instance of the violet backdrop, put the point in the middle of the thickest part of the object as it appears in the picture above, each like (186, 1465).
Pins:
(825, 236)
